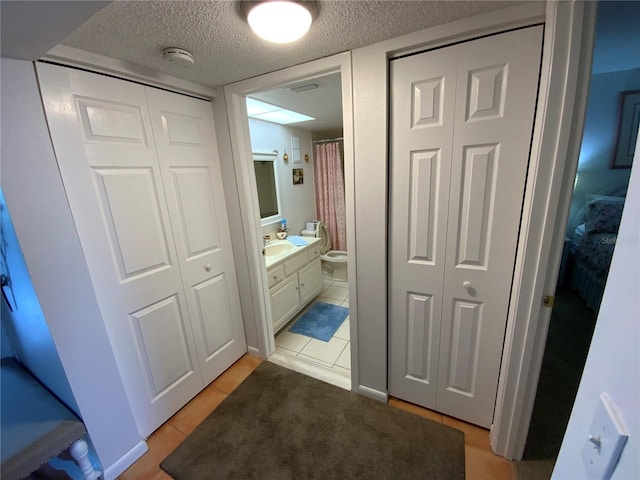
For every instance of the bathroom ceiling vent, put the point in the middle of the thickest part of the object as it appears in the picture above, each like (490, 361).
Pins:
(304, 88)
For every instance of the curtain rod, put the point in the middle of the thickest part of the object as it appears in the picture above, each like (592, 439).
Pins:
(329, 140)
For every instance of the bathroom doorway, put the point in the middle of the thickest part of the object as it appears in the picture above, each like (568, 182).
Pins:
(291, 126)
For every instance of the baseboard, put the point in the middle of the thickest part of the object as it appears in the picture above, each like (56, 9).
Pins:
(374, 394)
(129, 458)
(254, 351)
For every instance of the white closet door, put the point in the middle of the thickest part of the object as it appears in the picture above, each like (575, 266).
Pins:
(496, 80)
(496, 95)
(423, 98)
(105, 147)
(188, 153)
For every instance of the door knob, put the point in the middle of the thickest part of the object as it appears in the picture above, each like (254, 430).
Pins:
(466, 285)
(207, 267)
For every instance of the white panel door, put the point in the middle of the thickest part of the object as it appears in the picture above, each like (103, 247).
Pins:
(423, 96)
(106, 152)
(188, 153)
(495, 105)
(494, 89)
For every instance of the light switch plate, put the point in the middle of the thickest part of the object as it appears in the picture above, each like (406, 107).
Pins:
(609, 432)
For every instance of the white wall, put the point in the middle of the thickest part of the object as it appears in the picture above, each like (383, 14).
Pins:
(297, 202)
(44, 226)
(613, 363)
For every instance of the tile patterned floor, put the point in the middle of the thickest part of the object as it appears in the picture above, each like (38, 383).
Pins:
(480, 463)
(333, 356)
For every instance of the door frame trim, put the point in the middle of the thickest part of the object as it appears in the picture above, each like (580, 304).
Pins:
(567, 54)
(245, 181)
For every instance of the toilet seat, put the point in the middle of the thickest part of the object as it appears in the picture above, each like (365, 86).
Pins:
(324, 238)
(335, 256)
(334, 260)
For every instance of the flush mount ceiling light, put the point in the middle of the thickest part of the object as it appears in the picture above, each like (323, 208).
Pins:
(279, 21)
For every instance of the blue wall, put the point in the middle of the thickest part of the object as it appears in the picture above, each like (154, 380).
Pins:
(26, 328)
(599, 137)
(615, 69)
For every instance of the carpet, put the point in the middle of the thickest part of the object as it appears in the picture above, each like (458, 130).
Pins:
(280, 424)
(320, 321)
(570, 331)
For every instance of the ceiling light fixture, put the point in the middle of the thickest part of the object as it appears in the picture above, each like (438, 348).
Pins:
(279, 21)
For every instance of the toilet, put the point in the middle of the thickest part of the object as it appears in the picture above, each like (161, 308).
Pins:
(334, 262)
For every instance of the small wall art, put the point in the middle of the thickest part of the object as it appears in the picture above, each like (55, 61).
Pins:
(628, 121)
(298, 176)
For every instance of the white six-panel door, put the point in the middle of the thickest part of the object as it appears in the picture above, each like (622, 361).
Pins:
(461, 126)
(186, 143)
(145, 192)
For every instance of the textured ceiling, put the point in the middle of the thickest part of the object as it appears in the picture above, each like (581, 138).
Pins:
(225, 49)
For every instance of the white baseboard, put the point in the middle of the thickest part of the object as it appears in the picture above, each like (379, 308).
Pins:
(374, 394)
(254, 351)
(129, 458)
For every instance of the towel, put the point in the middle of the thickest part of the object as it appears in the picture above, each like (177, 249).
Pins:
(297, 241)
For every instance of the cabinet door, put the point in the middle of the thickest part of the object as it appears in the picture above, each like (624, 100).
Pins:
(310, 278)
(186, 142)
(106, 153)
(285, 301)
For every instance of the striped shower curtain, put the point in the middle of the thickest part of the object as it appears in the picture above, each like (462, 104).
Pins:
(329, 186)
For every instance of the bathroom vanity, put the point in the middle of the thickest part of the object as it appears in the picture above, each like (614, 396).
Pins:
(295, 278)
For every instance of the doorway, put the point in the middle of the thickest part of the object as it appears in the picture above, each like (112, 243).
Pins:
(299, 125)
(598, 197)
(286, 290)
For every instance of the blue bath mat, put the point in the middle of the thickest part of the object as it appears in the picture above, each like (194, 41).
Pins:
(321, 321)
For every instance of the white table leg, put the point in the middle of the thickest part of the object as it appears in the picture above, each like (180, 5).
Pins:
(80, 452)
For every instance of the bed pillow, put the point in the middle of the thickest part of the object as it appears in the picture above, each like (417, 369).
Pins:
(603, 214)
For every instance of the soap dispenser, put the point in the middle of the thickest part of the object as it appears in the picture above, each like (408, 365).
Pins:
(282, 232)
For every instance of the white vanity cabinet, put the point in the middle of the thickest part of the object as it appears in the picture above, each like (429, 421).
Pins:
(293, 282)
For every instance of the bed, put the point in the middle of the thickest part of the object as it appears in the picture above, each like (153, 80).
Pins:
(593, 242)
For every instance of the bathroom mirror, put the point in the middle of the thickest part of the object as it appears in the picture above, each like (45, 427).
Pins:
(266, 183)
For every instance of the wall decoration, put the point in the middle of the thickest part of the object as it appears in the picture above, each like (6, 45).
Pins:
(295, 149)
(298, 176)
(628, 122)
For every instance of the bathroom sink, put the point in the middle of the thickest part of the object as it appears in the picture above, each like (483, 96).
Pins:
(277, 249)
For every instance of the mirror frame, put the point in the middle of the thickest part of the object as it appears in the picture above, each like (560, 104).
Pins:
(270, 157)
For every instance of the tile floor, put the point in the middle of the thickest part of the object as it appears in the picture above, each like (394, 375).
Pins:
(332, 357)
(480, 463)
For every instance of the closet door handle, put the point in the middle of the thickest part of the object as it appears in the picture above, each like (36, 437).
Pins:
(207, 267)
(467, 285)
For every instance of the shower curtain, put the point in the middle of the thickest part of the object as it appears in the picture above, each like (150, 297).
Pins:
(329, 186)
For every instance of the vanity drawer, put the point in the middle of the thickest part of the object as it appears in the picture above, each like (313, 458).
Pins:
(295, 263)
(313, 252)
(275, 275)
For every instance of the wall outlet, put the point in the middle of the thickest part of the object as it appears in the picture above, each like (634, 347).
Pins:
(606, 439)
